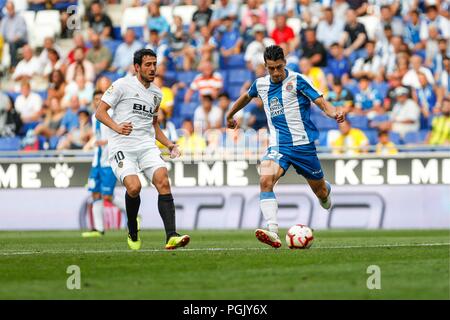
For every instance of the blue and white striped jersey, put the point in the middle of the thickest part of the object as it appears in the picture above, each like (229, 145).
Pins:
(100, 152)
(287, 105)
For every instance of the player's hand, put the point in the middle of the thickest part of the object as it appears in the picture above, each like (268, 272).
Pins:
(231, 123)
(174, 151)
(125, 128)
(340, 116)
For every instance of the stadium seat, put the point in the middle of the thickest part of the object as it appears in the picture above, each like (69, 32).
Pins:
(235, 61)
(40, 32)
(49, 18)
(13, 95)
(234, 91)
(64, 5)
(112, 45)
(116, 33)
(295, 24)
(187, 77)
(224, 74)
(323, 122)
(360, 122)
(395, 138)
(10, 144)
(170, 77)
(372, 136)
(415, 137)
(239, 76)
(185, 12)
(188, 110)
(166, 12)
(29, 17)
(139, 32)
(133, 17)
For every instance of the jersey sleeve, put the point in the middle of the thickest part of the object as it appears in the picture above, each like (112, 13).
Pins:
(113, 95)
(305, 86)
(253, 91)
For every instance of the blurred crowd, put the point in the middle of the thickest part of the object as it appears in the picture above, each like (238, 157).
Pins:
(386, 62)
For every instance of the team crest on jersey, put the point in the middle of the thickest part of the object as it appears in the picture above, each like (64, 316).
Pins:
(289, 86)
(275, 107)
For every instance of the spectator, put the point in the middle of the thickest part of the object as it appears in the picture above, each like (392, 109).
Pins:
(180, 50)
(366, 98)
(368, 66)
(99, 55)
(283, 33)
(229, 40)
(384, 146)
(338, 66)
(56, 85)
(190, 142)
(395, 81)
(78, 41)
(79, 135)
(443, 89)
(440, 127)
(102, 84)
(201, 17)
(354, 37)
(158, 45)
(70, 119)
(387, 18)
(315, 74)
(44, 59)
(81, 88)
(412, 30)
(99, 22)
(123, 57)
(156, 21)
(80, 65)
(167, 127)
(257, 116)
(340, 8)
(54, 62)
(10, 122)
(224, 9)
(359, 6)
(405, 116)
(313, 49)
(224, 103)
(329, 30)
(28, 104)
(350, 141)
(411, 78)
(168, 97)
(52, 120)
(434, 18)
(205, 45)
(207, 115)
(426, 97)
(14, 30)
(254, 54)
(208, 82)
(28, 67)
(309, 12)
(341, 97)
(432, 47)
(253, 10)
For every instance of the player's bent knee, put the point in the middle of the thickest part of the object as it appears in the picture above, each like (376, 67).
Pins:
(266, 183)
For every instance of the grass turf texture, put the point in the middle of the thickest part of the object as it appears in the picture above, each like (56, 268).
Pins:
(33, 266)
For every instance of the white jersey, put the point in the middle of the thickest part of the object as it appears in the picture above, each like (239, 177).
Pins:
(132, 102)
(101, 154)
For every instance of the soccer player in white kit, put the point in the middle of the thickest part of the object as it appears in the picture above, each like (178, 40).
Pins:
(134, 128)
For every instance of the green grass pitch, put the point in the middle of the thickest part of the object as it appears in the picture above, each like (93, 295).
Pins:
(226, 265)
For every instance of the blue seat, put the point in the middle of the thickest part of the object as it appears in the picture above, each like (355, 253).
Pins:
(13, 95)
(43, 94)
(170, 77)
(234, 91)
(360, 122)
(413, 138)
(112, 45)
(372, 136)
(323, 122)
(64, 5)
(395, 138)
(116, 33)
(224, 74)
(10, 144)
(179, 97)
(139, 32)
(113, 76)
(239, 76)
(188, 110)
(187, 77)
(235, 61)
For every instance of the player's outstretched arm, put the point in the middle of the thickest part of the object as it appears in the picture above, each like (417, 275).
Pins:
(330, 111)
(102, 115)
(240, 103)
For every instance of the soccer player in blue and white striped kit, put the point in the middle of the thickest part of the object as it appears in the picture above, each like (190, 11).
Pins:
(287, 97)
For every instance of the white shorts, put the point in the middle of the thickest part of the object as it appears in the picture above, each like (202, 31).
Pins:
(124, 163)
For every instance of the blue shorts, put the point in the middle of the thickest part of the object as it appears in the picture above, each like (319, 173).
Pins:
(303, 158)
(102, 180)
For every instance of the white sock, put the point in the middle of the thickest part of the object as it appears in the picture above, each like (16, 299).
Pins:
(97, 212)
(269, 209)
(118, 204)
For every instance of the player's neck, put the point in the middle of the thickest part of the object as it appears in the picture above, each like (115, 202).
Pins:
(145, 83)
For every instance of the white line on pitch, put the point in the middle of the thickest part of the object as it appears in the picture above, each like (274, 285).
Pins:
(12, 253)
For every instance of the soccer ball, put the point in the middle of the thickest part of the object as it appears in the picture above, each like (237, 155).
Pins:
(299, 237)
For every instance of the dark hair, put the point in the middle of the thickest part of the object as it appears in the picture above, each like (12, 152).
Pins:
(140, 54)
(273, 53)
(208, 97)
(382, 132)
(224, 95)
(51, 50)
(96, 92)
(337, 82)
